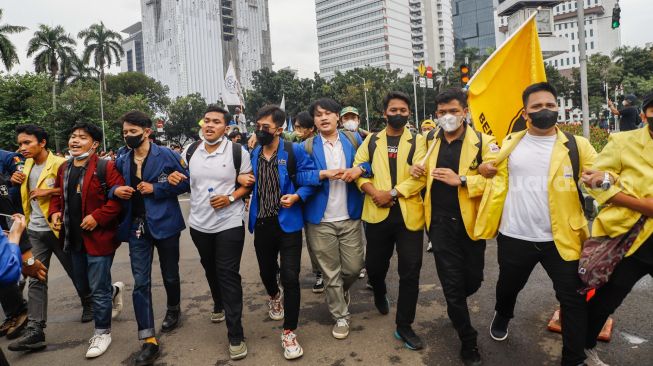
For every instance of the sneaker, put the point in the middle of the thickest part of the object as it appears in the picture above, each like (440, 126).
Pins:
(411, 340)
(470, 356)
(429, 248)
(217, 316)
(593, 358)
(276, 307)
(382, 304)
(117, 303)
(363, 273)
(291, 348)
(499, 327)
(87, 310)
(341, 329)
(318, 288)
(98, 345)
(33, 339)
(4, 328)
(20, 322)
(238, 351)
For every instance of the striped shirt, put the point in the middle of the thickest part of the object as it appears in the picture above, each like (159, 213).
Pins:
(269, 190)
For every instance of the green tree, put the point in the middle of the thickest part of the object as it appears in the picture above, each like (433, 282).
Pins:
(53, 50)
(136, 83)
(559, 82)
(76, 70)
(7, 49)
(184, 114)
(635, 61)
(103, 45)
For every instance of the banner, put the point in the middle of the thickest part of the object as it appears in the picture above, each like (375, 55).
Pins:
(232, 95)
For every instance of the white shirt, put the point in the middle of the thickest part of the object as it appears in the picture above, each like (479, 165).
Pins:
(334, 155)
(526, 214)
(215, 170)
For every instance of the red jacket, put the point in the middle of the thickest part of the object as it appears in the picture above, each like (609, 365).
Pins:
(102, 240)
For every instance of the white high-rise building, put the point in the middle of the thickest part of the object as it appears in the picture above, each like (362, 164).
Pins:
(188, 45)
(358, 33)
(439, 33)
(133, 47)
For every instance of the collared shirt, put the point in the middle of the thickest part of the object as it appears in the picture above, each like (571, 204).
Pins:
(334, 155)
(269, 188)
(215, 170)
(444, 198)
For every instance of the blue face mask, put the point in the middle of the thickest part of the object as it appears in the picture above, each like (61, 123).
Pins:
(84, 155)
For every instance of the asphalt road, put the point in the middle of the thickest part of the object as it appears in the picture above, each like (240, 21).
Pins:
(200, 342)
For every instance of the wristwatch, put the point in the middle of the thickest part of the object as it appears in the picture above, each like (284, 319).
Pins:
(29, 262)
(231, 199)
(605, 185)
(393, 192)
(463, 181)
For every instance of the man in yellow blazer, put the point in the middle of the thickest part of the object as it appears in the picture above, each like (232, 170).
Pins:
(534, 204)
(453, 193)
(36, 182)
(393, 212)
(626, 163)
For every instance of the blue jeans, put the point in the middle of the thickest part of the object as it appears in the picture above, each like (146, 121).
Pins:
(94, 272)
(141, 251)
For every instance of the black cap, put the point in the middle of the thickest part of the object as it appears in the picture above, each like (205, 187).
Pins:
(631, 99)
(648, 101)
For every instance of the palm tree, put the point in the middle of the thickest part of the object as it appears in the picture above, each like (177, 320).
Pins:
(104, 45)
(7, 49)
(53, 50)
(77, 70)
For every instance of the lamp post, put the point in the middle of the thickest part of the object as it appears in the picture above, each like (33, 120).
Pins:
(367, 113)
(104, 135)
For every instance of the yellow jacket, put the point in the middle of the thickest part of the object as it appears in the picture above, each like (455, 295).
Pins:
(627, 157)
(568, 222)
(469, 196)
(46, 181)
(411, 204)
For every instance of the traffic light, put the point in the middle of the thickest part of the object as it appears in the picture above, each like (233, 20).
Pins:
(464, 74)
(616, 16)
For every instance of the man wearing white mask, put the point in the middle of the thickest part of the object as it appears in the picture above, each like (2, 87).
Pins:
(350, 119)
(454, 190)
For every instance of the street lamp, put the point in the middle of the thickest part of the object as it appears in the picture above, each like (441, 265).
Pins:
(367, 112)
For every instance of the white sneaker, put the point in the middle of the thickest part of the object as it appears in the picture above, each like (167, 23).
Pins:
(117, 300)
(362, 273)
(593, 358)
(291, 348)
(340, 329)
(98, 345)
(276, 307)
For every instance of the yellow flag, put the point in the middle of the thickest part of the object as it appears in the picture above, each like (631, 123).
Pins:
(495, 90)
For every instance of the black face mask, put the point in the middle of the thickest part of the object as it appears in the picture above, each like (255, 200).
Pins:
(264, 137)
(397, 121)
(133, 142)
(544, 119)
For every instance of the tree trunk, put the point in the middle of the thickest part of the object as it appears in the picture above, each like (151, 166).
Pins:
(54, 110)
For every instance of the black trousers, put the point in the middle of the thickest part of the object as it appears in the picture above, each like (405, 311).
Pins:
(272, 243)
(459, 261)
(609, 297)
(12, 300)
(382, 238)
(517, 258)
(220, 255)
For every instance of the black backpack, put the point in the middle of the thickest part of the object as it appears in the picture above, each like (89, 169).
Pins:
(587, 203)
(236, 149)
(371, 147)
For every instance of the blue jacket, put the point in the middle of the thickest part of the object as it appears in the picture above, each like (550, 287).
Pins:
(163, 214)
(290, 219)
(316, 205)
(7, 168)
(10, 260)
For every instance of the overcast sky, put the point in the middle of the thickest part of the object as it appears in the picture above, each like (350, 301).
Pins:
(294, 34)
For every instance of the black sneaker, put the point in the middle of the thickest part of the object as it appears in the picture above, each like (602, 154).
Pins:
(33, 339)
(87, 311)
(318, 287)
(470, 356)
(499, 327)
(411, 340)
(382, 304)
(171, 320)
(148, 354)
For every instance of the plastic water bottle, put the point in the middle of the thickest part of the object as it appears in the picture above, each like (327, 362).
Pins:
(212, 193)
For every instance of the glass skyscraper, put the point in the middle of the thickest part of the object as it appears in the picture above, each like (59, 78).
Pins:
(473, 24)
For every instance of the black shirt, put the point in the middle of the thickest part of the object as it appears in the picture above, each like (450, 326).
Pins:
(444, 198)
(393, 149)
(645, 252)
(74, 207)
(138, 203)
(269, 189)
(629, 119)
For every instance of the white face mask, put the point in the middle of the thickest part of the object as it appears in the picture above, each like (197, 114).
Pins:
(214, 142)
(85, 155)
(350, 125)
(450, 123)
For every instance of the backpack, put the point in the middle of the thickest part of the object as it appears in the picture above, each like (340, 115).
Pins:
(236, 149)
(308, 144)
(100, 173)
(587, 203)
(371, 147)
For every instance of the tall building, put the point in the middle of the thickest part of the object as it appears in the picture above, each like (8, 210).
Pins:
(358, 33)
(473, 24)
(439, 33)
(133, 47)
(188, 45)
